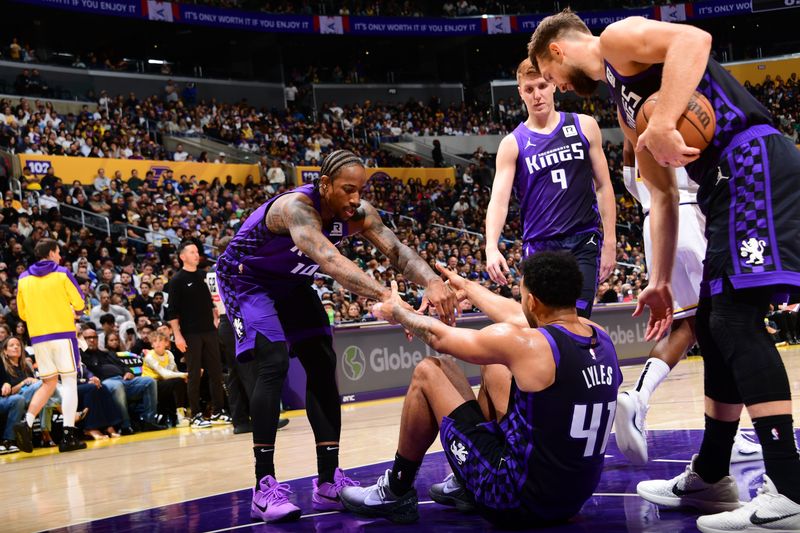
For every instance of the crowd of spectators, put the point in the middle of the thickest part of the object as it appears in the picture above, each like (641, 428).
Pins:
(442, 221)
(168, 208)
(782, 98)
(129, 127)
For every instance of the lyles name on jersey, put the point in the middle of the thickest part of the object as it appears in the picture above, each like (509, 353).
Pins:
(554, 156)
(598, 375)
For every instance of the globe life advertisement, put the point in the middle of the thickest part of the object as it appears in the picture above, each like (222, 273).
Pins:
(380, 357)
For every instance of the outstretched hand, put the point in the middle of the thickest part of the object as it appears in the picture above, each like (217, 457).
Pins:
(659, 300)
(443, 298)
(384, 310)
(456, 282)
(497, 266)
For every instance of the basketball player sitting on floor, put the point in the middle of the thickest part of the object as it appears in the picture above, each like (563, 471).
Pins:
(513, 463)
(687, 272)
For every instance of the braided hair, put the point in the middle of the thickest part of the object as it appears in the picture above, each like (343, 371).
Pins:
(335, 162)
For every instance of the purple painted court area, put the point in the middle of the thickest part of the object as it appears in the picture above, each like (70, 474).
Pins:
(614, 507)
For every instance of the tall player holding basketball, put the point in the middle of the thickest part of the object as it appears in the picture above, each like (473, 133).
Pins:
(749, 179)
(687, 272)
(554, 163)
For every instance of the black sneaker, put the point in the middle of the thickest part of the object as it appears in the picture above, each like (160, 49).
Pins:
(24, 436)
(451, 492)
(242, 428)
(127, 431)
(10, 446)
(378, 501)
(283, 422)
(198, 422)
(221, 418)
(70, 441)
(151, 426)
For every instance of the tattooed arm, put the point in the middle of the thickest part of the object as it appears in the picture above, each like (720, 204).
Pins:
(299, 219)
(410, 264)
(525, 351)
(495, 344)
(497, 308)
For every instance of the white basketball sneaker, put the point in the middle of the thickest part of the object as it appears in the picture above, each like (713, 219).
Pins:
(629, 423)
(689, 490)
(745, 449)
(768, 511)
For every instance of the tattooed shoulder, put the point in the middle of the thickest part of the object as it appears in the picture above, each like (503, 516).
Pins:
(288, 211)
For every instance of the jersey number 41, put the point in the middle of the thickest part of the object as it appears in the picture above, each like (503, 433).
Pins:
(579, 429)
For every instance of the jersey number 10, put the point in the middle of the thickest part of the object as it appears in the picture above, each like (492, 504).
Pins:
(304, 270)
(580, 431)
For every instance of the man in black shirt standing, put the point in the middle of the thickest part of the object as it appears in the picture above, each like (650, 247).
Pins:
(194, 321)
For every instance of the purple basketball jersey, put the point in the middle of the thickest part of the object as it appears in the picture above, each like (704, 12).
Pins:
(554, 182)
(262, 279)
(556, 438)
(256, 251)
(736, 110)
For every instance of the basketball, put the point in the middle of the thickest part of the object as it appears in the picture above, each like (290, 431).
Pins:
(696, 125)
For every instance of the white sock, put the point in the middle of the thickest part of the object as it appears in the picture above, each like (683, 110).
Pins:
(653, 373)
(69, 398)
(29, 419)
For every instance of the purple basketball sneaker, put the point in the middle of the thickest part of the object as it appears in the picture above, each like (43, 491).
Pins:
(271, 502)
(326, 495)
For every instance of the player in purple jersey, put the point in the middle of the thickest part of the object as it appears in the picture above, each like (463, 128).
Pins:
(529, 450)
(264, 279)
(749, 178)
(555, 165)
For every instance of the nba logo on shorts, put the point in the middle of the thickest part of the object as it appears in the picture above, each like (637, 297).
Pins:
(238, 327)
(569, 131)
(459, 451)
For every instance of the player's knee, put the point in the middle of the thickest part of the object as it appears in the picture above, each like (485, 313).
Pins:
(448, 364)
(427, 369)
(758, 374)
(722, 391)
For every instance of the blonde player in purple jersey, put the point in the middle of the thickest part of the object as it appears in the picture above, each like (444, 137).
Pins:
(632, 405)
(555, 165)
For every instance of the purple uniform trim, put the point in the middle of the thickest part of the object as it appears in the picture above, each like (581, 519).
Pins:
(76, 355)
(553, 346)
(776, 256)
(753, 132)
(69, 335)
